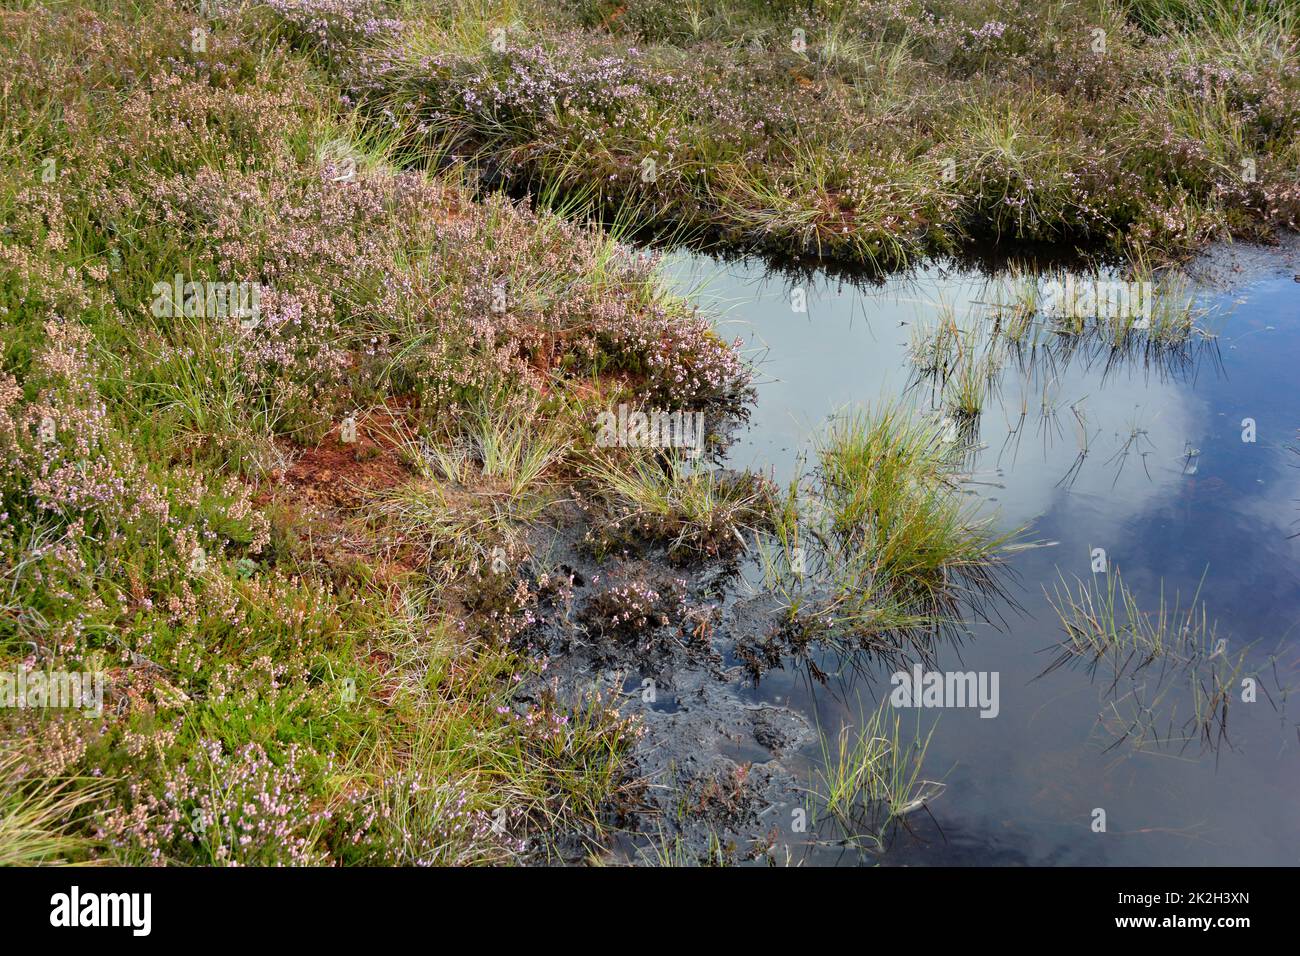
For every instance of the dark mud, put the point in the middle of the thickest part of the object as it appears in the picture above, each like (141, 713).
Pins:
(707, 778)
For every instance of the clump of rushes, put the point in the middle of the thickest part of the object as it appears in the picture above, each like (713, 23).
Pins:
(1171, 648)
(1175, 315)
(933, 347)
(1013, 304)
(870, 778)
(889, 486)
(876, 549)
(474, 488)
(1102, 620)
(1144, 311)
(694, 511)
(974, 376)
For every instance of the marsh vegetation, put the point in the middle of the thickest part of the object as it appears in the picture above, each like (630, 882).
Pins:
(364, 582)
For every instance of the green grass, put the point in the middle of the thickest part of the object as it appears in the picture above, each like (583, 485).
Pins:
(976, 374)
(40, 817)
(876, 548)
(691, 509)
(890, 488)
(870, 777)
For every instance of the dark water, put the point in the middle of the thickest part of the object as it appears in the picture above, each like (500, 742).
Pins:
(1189, 505)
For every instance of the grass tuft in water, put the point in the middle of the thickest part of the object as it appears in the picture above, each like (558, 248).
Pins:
(877, 548)
(870, 776)
(1170, 676)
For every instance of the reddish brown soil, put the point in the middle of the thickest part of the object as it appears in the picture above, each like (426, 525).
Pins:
(328, 485)
(342, 475)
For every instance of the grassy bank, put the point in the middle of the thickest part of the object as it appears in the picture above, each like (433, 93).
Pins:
(870, 132)
(287, 533)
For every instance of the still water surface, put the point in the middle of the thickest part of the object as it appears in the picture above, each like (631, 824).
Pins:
(1142, 458)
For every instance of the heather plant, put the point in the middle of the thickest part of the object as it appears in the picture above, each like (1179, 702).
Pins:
(506, 296)
(634, 609)
(237, 809)
(149, 432)
(329, 28)
(871, 132)
(406, 821)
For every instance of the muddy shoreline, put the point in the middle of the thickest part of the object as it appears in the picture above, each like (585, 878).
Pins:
(718, 775)
(706, 777)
